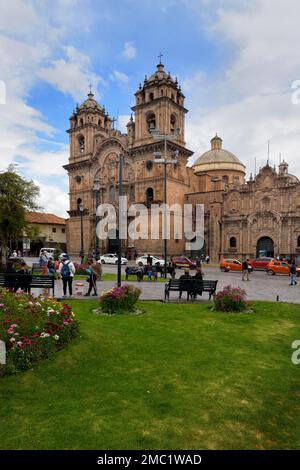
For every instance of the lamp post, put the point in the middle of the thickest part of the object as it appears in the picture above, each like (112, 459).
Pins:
(81, 210)
(119, 220)
(162, 159)
(97, 193)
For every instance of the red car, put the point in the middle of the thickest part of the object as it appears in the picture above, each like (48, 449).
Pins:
(260, 263)
(183, 262)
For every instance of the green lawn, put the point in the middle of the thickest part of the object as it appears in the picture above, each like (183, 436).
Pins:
(114, 277)
(178, 376)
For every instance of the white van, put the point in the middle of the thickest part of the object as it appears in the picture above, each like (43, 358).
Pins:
(50, 251)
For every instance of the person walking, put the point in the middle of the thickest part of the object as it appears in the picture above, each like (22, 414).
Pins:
(245, 269)
(67, 271)
(198, 262)
(207, 259)
(51, 267)
(92, 279)
(293, 273)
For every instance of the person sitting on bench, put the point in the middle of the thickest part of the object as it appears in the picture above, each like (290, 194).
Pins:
(186, 275)
(24, 283)
(198, 275)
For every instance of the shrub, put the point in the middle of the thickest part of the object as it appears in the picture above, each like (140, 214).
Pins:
(119, 299)
(32, 329)
(230, 299)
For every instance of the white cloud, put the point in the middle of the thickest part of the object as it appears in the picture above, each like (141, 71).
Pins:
(249, 102)
(72, 74)
(119, 76)
(54, 198)
(129, 50)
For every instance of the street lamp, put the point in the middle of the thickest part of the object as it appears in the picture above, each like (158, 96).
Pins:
(162, 159)
(81, 210)
(97, 193)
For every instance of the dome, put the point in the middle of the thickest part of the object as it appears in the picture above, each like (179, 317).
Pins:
(218, 157)
(90, 104)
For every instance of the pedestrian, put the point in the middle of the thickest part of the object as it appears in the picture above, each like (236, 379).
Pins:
(15, 254)
(92, 279)
(245, 268)
(43, 262)
(293, 273)
(198, 262)
(149, 271)
(207, 259)
(67, 272)
(149, 259)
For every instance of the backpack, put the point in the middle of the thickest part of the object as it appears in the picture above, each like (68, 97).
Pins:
(65, 270)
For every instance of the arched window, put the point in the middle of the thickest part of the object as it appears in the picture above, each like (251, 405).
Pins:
(78, 202)
(298, 241)
(99, 122)
(232, 242)
(151, 96)
(111, 193)
(151, 122)
(81, 122)
(149, 194)
(81, 143)
(173, 123)
(172, 97)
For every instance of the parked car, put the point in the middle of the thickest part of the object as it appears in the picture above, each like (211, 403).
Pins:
(280, 267)
(260, 263)
(142, 261)
(183, 262)
(112, 258)
(227, 265)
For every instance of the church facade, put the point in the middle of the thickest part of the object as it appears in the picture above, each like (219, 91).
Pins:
(242, 218)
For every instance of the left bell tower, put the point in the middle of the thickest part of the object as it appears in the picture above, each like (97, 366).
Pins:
(86, 121)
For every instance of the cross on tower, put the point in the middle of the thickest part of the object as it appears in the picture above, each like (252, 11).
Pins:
(160, 56)
(90, 87)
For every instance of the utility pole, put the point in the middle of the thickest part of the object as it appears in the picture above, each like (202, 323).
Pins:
(119, 221)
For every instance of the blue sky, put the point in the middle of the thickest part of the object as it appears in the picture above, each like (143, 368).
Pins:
(236, 61)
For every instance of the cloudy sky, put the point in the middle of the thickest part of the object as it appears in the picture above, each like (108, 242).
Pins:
(237, 61)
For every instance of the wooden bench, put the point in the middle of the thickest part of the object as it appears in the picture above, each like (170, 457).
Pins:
(193, 287)
(15, 281)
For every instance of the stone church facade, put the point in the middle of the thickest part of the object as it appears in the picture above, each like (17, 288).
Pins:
(260, 216)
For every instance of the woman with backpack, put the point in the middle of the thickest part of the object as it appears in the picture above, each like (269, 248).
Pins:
(92, 277)
(67, 271)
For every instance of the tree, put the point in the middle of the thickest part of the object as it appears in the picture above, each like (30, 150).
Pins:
(17, 197)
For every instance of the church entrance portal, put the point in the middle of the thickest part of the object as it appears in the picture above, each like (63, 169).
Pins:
(265, 247)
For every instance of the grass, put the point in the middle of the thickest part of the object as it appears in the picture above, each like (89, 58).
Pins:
(114, 277)
(175, 377)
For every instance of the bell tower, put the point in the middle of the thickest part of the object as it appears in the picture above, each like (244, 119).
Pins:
(86, 121)
(159, 105)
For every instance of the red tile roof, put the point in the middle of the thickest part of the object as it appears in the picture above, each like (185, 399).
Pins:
(44, 218)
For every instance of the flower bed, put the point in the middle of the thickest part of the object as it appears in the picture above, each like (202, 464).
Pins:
(231, 299)
(32, 329)
(119, 299)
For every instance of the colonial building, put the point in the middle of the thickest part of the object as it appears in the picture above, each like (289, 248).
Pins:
(44, 230)
(257, 217)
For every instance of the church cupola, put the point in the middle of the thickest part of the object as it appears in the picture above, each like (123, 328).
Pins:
(131, 130)
(216, 143)
(159, 105)
(283, 169)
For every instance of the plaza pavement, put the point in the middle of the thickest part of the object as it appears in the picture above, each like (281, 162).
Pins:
(261, 286)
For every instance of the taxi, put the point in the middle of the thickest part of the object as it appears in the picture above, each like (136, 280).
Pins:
(227, 265)
(280, 267)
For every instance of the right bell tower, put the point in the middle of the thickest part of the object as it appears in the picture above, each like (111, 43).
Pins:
(159, 105)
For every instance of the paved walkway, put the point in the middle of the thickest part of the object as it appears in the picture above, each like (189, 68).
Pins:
(260, 287)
